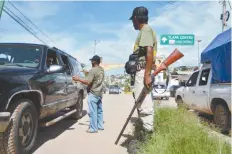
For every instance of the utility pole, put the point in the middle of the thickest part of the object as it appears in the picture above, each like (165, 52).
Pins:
(223, 14)
(95, 43)
(198, 54)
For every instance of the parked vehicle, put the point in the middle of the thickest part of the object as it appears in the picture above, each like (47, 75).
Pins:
(208, 90)
(114, 90)
(36, 82)
(160, 91)
(173, 89)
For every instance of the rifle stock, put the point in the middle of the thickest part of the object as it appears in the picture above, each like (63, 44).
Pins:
(173, 57)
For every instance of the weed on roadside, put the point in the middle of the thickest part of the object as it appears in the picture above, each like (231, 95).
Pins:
(178, 132)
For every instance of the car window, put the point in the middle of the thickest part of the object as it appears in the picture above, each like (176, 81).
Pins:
(192, 80)
(52, 58)
(204, 77)
(65, 60)
(75, 66)
(159, 86)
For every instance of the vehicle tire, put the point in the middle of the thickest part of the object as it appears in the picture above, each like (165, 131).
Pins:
(79, 107)
(222, 118)
(21, 133)
(167, 98)
(179, 102)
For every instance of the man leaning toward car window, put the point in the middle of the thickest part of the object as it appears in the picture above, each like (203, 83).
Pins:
(94, 81)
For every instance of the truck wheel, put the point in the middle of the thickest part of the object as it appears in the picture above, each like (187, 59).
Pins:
(21, 133)
(180, 103)
(222, 117)
(79, 107)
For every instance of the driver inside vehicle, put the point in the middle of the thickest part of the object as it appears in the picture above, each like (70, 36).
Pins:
(49, 61)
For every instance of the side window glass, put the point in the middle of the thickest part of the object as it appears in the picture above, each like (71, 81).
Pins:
(192, 80)
(75, 66)
(52, 58)
(204, 77)
(66, 62)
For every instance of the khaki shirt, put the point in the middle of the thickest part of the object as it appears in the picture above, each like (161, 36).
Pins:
(96, 77)
(146, 37)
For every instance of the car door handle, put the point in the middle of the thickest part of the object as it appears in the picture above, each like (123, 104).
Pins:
(204, 91)
(194, 92)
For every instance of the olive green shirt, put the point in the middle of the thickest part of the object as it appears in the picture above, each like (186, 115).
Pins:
(96, 77)
(146, 37)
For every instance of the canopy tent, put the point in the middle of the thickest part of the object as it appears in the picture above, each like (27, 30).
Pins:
(218, 53)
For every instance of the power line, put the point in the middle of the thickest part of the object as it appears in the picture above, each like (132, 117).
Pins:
(16, 20)
(19, 19)
(31, 22)
(229, 5)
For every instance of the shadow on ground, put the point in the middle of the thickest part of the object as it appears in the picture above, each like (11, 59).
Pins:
(51, 132)
(129, 137)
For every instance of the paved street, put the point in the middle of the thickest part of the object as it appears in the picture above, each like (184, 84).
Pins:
(70, 137)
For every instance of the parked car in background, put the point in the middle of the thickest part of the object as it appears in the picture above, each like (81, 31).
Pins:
(160, 91)
(36, 82)
(173, 89)
(114, 89)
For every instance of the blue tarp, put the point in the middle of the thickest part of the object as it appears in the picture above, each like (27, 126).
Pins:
(218, 53)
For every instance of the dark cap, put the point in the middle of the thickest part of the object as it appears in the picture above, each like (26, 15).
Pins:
(96, 58)
(139, 11)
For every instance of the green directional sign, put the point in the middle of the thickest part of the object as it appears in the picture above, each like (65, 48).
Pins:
(177, 39)
(1, 7)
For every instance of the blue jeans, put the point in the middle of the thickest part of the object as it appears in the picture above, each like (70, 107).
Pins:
(95, 112)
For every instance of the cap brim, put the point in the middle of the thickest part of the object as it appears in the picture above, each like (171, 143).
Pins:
(131, 18)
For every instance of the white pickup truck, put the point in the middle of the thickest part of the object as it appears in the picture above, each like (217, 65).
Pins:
(214, 99)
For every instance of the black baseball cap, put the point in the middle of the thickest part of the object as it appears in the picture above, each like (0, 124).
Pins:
(96, 58)
(139, 11)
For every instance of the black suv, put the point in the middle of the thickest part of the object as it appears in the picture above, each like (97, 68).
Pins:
(35, 83)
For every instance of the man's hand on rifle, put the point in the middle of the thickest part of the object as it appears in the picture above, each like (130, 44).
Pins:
(147, 81)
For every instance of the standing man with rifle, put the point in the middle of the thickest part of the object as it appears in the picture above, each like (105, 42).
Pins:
(145, 45)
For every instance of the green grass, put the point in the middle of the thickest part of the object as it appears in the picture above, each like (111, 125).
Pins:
(177, 132)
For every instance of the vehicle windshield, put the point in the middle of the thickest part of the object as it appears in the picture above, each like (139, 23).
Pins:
(159, 86)
(20, 55)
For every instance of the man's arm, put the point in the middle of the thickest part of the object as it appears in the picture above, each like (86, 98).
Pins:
(147, 41)
(149, 61)
(86, 81)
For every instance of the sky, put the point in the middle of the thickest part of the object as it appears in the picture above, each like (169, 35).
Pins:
(73, 26)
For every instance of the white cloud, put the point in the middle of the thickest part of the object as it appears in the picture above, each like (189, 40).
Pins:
(198, 18)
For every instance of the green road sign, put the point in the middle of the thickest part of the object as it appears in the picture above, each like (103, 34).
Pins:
(1, 7)
(178, 39)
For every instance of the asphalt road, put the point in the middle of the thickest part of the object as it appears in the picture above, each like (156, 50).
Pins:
(70, 137)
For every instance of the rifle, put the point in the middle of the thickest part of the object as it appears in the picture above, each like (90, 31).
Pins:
(173, 57)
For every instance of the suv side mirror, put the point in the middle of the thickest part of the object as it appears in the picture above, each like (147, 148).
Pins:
(55, 69)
